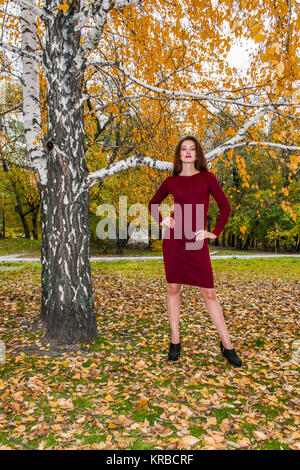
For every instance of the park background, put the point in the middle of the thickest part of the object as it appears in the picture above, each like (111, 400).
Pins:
(157, 71)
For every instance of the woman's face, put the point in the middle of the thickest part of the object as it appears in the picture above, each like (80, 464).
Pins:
(188, 151)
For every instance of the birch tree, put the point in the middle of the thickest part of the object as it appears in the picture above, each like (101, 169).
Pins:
(71, 34)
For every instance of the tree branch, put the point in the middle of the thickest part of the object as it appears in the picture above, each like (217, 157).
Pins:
(101, 9)
(19, 52)
(172, 94)
(118, 4)
(41, 12)
(228, 146)
(117, 167)
(141, 160)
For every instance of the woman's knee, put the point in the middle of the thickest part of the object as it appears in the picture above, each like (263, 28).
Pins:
(174, 288)
(208, 294)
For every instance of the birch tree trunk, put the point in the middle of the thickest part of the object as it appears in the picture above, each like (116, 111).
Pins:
(67, 306)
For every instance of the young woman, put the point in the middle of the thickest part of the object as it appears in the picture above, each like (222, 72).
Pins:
(186, 257)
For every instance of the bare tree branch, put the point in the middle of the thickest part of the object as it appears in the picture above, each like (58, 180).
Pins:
(172, 94)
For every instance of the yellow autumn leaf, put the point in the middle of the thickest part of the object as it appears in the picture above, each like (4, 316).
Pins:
(280, 68)
(230, 131)
(142, 404)
(285, 191)
(30, 419)
(56, 427)
(234, 24)
(255, 29)
(166, 432)
(212, 421)
(187, 442)
(244, 441)
(5, 395)
(259, 37)
(76, 376)
(108, 398)
(21, 428)
(64, 7)
(65, 403)
(270, 51)
(259, 435)
(112, 425)
(209, 440)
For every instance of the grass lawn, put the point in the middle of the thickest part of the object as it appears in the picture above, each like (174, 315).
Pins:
(32, 248)
(122, 393)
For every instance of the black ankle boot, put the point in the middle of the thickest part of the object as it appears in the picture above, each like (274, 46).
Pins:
(174, 351)
(231, 356)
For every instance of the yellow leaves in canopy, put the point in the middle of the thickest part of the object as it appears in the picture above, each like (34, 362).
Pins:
(285, 191)
(287, 208)
(274, 49)
(260, 37)
(255, 28)
(229, 154)
(245, 4)
(279, 69)
(64, 7)
(243, 229)
(230, 131)
(36, 141)
(295, 161)
(234, 24)
(287, 93)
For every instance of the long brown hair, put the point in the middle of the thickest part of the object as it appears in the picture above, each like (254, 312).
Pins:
(200, 162)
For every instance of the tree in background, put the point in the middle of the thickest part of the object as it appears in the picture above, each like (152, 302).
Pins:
(19, 189)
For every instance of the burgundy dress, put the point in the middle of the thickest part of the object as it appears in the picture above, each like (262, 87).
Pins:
(187, 261)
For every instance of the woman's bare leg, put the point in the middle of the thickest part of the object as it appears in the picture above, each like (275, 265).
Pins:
(215, 312)
(173, 301)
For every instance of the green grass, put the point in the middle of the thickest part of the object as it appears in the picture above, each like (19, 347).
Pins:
(10, 246)
(282, 268)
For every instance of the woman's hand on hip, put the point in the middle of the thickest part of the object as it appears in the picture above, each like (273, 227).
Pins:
(168, 222)
(202, 234)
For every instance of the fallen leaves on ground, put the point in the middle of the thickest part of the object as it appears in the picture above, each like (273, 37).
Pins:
(122, 393)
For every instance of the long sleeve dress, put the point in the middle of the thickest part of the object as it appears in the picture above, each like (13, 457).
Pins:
(186, 260)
